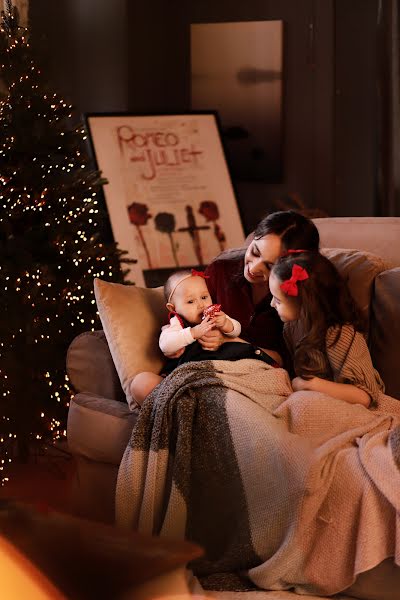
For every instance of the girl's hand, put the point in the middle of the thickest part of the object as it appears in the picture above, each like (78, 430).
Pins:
(299, 384)
(343, 391)
(212, 340)
(202, 328)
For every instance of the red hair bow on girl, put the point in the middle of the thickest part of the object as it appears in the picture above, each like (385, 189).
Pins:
(199, 274)
(290, 285)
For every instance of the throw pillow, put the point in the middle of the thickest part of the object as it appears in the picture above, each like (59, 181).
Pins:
(385, 330)
(359, 269)
(132, 318)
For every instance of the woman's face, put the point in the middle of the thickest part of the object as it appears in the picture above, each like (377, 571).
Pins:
(259, 258)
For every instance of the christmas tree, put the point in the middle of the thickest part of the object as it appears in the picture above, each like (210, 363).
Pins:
(53, 237)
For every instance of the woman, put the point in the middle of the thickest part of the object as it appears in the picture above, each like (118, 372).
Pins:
(238, 280)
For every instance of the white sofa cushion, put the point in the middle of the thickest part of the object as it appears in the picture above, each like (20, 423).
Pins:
(98, 428)
(90, 366)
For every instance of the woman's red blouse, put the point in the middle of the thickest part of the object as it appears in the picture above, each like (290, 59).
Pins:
(260, 322)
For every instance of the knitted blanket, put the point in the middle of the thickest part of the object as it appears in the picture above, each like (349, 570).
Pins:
(294, 490)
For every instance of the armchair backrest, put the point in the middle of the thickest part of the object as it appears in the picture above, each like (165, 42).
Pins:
(378, 235)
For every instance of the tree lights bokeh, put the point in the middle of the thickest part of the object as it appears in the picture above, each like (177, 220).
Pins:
(52, 245)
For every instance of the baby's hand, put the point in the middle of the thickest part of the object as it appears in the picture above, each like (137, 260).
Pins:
(211, 310)
(204, 327)
(221, 322)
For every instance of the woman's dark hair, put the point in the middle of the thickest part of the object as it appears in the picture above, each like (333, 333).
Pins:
(295, 230)
(323, 301)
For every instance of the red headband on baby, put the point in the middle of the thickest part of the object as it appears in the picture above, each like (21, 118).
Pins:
(290, 285)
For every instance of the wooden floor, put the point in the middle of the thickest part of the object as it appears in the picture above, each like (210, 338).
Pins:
(107, 563)
(45, 480)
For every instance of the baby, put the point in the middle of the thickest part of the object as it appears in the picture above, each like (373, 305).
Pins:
(192, 314)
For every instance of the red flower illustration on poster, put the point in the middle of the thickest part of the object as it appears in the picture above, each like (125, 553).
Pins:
(138, 216)
(210, 212)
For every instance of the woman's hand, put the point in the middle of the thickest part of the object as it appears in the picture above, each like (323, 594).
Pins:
(212, 340)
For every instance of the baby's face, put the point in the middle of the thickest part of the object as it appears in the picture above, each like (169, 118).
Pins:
(190, 298)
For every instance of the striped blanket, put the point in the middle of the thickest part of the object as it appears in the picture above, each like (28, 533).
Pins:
(281, 489)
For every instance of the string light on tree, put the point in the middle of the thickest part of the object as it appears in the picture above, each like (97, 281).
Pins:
(53, 235)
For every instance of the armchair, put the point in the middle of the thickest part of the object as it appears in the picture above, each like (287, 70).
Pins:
(100, 421)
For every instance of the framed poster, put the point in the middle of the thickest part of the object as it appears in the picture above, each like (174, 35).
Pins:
(169, 194)
(237, 70)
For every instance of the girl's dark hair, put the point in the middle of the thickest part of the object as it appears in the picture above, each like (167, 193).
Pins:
(323, 301)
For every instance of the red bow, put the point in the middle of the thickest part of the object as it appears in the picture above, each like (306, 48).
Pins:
(288, 252)
(290, 286)
(199, 274)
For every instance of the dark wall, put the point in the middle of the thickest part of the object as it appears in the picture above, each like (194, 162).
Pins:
(356, 117)
(307, 85)
(84, 46)
(131, 56)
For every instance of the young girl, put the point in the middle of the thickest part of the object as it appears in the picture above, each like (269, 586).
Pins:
(323, 329)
